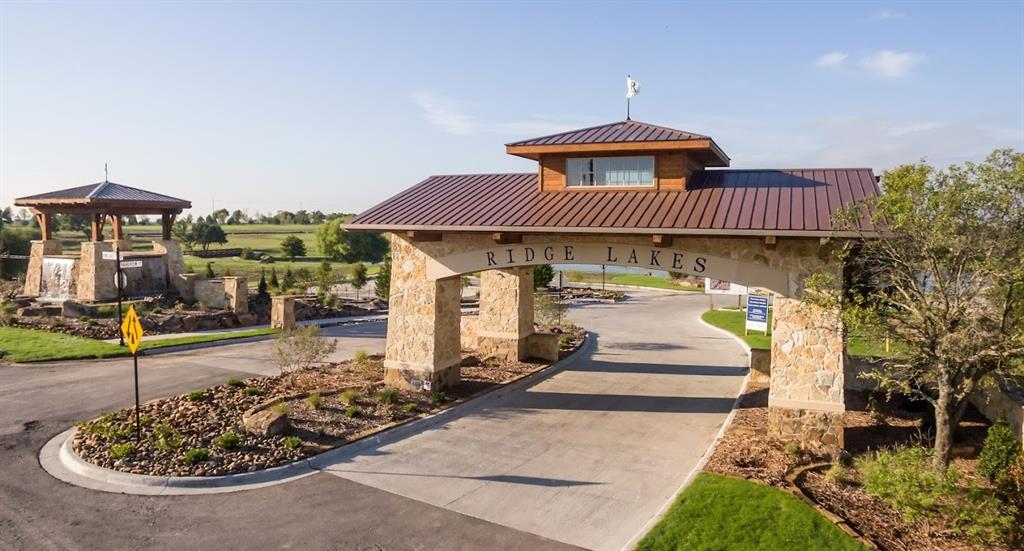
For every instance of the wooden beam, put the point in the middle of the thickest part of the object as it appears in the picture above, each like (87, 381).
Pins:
(96, 222)
(423, 236)
(45, 222)
(659, 240)
(166, 223)
(503, 238)
(769, 241)
(115, 222)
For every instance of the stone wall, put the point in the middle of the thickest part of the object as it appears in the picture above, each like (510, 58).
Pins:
(96, 275)
(226, 293)
(506, 313)
(34, 274)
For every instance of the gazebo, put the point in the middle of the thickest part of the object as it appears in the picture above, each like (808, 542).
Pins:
(89, 276)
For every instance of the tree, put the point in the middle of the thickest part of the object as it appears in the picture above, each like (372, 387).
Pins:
(359, 278)
(946, 281)
(261, 289)
(220, 216)
(206, 233)
(273, 278)
(325, 280)
(301, 349)
(183, 233)
(382, 288)
(542, 275)
(209, 271)
(338, 244)
(288, 281)
(293, 246)
(74, 223)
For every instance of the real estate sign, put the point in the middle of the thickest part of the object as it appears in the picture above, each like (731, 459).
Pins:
(757, 314)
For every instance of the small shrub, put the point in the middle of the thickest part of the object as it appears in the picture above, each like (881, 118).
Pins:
(998, 451)
(57, 323)
(196, 456)
(352, 411)
(313, 400)
(280, 408)
(1010, 489)
(350, 396)
(410, 407)
(906, 480)
(292, 442)
(838, 475)
(118, 451)
(387, 396)
(196, 395)
(85, 319)
(361, 357)
(565, 341)
(438, 396)
(301, 349)
(247, 254)
(227, 441)
(252, 391)
(210, 274)
(164, 437)
(236, 383)
(792, 448)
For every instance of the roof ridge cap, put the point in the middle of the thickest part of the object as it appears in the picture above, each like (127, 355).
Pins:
(99, 187)
(568, 131)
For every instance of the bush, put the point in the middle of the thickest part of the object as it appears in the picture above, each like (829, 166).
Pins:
(293, 246)
(227, 441)
(196, 456)
(292, 442)
(280, 408)
(313, 400)
(350, 396)
(300, 349)
(273, 278)
(907, 481)
(164, 437)
(361, 357)
(999, 450)
(549, 308)
(118, 451)
(438, 396)
(209, 271)
(247, 254)
(236, 383)
(410, 407)
(838, 475)
(352, 411)
(387, 396)
(261, 289)
(1010, 489)
(542, 275)
(252, 391)
(196, 395)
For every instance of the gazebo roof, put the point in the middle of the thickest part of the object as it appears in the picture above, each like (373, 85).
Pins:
(105, 196)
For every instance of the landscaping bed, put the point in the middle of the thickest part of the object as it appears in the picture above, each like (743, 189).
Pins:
(871, 423)
(205, 432)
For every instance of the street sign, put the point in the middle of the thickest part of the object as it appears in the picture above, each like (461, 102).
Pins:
(109, 255)
(131, 264)
(132, 330)
(757, 314)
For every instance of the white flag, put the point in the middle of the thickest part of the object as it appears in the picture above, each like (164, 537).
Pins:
(632, 87)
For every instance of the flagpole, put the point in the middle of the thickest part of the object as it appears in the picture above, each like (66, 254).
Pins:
(627, 108)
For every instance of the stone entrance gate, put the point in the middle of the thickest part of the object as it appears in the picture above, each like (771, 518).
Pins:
(756, 228)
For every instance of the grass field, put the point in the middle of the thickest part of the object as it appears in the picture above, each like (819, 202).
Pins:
(732, 320)
(31, 345)
(637, 280)
(251, 268)
(717, 512)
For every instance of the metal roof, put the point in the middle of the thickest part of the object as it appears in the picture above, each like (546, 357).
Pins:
(797, 202)
(616, 132)
(106, 194)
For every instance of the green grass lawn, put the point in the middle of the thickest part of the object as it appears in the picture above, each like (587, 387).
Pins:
(637, 280)
(31, 345)
(251, 268)
(732, 320)
(721, 513)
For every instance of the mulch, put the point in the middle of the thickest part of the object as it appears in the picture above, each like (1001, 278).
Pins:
(871, 422)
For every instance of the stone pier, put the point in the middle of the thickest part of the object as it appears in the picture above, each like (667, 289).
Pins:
(39, 249)
(506, 313)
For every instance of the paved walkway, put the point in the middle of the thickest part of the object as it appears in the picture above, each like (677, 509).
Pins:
(584, 457)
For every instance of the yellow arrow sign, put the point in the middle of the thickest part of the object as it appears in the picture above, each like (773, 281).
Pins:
(132, 330)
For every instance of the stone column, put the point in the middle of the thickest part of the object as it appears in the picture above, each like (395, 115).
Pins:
(282, 312)
(423, 319)
(237, 290)
(506, 313)
(805, 400)
(34, 275)
(96, 275)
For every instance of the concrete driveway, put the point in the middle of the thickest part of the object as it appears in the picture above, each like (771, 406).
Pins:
(584, 457)
(591, 453)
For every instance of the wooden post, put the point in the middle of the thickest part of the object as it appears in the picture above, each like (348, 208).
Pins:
(167, 222)
(96, 221)
(115, 220)
(45, 221)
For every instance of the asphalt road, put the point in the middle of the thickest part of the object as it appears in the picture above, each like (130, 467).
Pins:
(618, 430)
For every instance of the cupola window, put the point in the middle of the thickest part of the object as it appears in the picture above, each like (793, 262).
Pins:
(610, 171)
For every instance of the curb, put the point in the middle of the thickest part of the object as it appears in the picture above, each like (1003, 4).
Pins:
(58, 458)
(707, 454)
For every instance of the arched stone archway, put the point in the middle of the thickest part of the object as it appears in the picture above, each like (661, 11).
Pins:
(806, 392)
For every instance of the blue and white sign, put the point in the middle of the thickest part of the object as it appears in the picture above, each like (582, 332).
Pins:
(757, 314)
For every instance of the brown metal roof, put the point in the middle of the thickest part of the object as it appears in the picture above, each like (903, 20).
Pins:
(797, 202)
(616, 132)
(104, 194)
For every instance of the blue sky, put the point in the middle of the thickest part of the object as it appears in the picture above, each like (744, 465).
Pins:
(331, 106)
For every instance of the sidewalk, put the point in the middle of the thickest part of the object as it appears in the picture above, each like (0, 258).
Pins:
(326, 322)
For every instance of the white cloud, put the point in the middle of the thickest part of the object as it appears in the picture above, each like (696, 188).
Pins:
(444, 114)
(448, 116)
(886, 15)
(890, 64)
(831, 59)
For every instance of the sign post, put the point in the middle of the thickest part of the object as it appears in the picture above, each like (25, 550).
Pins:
(757, 314)
(115, 255)
(131, 332)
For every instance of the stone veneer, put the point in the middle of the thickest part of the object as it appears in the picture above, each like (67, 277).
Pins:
(34, 275)
(506, 313)
(806, 395)
(282, 312)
